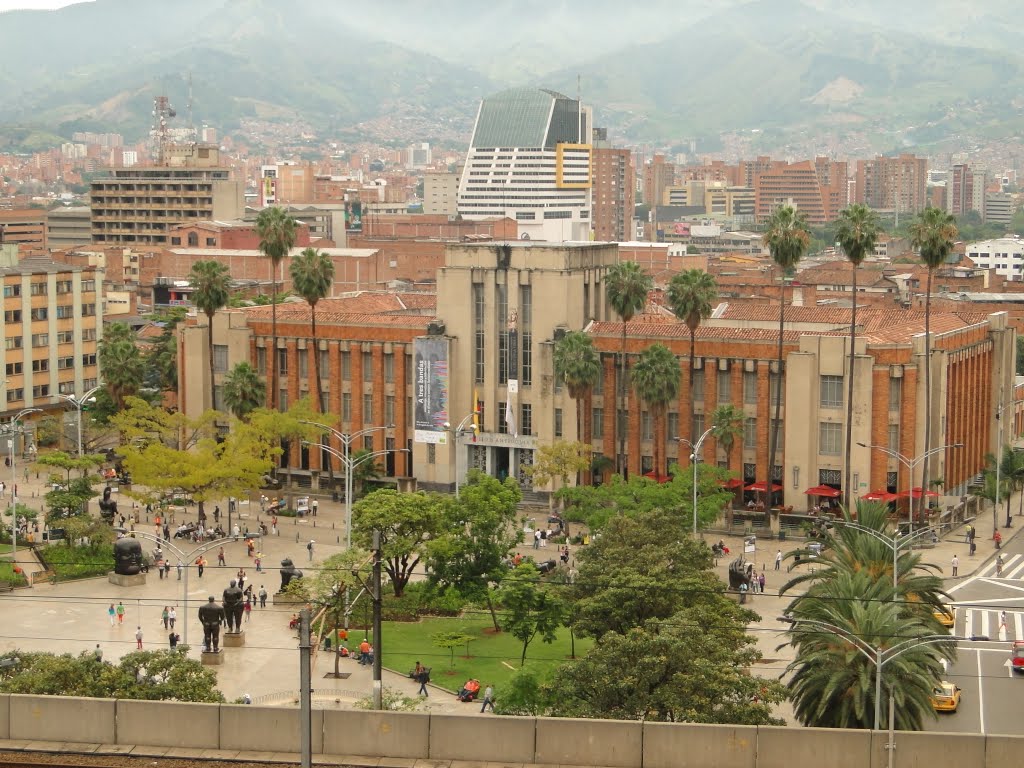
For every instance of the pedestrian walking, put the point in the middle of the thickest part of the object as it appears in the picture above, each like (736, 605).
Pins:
(248, 609)
(761, 582)
(263, 597)
(315, 506)
(241, 578)
(138, 638)
(111, 612)
(488, 699)
(1002, 621)
(160, 568)
(120, 613)
(173, 639)
(172, 616)
(309, 549)
(98, 653)
(165, 616)
(536, 539)
(200, 565)
(236, 531)
(259, 562)
(955, 562)
(999, 565)
(180, 568)
(778, 560)
(421, 676)
(220, 557)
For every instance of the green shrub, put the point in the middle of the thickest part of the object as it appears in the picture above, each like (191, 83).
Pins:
(79, 562)
(423, 599)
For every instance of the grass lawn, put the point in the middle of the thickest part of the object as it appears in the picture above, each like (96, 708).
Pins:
(79, 562)
(5, 548)
(7, 573)
(493, 656)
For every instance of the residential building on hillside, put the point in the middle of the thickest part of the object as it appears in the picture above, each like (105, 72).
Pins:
(529, 160)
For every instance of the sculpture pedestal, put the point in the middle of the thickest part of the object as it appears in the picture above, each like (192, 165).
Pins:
(233, 639)
(281, 598)
(135, 580)
(212, 658)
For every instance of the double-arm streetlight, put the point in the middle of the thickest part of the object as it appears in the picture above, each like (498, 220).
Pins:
(694, 461)
(12, 430)
(78, 403)
(463, 428)
(910, 464)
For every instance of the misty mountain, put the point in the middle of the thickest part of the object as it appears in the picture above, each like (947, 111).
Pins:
(653, 71)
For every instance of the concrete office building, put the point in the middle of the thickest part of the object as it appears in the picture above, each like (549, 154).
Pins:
(529, 159)
(440, 193)
(137, 206)
(1004, 254)
(68, 227)
(26, 228)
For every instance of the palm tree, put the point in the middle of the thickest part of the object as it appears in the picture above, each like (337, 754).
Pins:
(243, 390)
(276, 231)
(121, 365)
(312, 276)
(579, 366)
(211, 289)
(656, 381)
(932, 232)
(787, 238)
(626, 286)
(857, 232)
(1013, 467)
(690, 295)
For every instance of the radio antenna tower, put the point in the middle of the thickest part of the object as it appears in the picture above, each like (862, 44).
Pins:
(162, 113)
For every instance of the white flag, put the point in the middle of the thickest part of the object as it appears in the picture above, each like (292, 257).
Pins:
(512, 407)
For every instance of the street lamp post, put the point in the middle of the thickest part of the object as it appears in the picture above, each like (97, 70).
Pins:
(186, 560)
(999, 456)
(12, 431)
(78, 403)
(456, 434)
(694, 461)
(910, 464)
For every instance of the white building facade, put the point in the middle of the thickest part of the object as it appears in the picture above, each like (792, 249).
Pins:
(1004, 254)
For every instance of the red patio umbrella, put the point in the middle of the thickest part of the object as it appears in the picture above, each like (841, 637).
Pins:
(916, 493)
(733, 484)
(880, 496)
(825, 491)
(657, 478)
(761, 487)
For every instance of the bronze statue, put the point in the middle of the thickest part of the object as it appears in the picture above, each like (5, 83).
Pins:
(233, 607)
(288, 572)
(212, 616)
(108, 507)
(127, 557)
(739, 573)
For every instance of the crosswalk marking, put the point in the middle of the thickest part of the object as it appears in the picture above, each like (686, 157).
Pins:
(1013, 568)
(985, 622)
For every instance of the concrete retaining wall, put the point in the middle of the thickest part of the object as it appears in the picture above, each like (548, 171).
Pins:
(168, 724)
(461, 737)
(63, 718)
(377, 734)
(481, 738)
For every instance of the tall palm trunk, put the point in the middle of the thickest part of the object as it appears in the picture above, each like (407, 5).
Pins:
(622, 461)
(579, 435)
(847, 477)
(693, 364)
(927, 397)
(320, 406)
(273, 333)
(209, 350)
(773, 432)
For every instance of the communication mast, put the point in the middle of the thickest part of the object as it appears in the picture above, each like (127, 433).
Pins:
(162, 113)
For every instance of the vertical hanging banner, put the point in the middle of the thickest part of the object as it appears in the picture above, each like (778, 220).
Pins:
(512, 407)
(431, 363)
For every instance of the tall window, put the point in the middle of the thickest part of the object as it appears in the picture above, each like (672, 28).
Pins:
(389, 409)
(367, 409)
(597, 423)
(367, 366)
(346, 366)
(750, 433)
(698, 425)
(599, 382)
(773, 388)
(480, 340)
(622, 422)
(558, 422)
(646, 425)
(325, 365)
(831, 391)
(526, 334)
(389, 369)
(282, 362)
(261, 360)
(672, 427)
(895, 393)
(346, 406)
(526, 427)
(894, 438)
(303, 358)
(220, 358)
(830, 438)
(501, 312)
(750, 387)
(502, 422)
(698, 385)
(724, 387)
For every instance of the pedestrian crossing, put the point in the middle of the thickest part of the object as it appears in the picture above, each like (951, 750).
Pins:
(1013, 568)
(987, 622)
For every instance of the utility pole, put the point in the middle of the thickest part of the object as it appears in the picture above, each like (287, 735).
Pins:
(305, 692)
(377, 690)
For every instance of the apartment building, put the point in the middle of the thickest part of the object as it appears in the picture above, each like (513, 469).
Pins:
(440, 193)
(1003, 254)
(26, 228)
(892, 183)
(614, 193)
(817, 188)
(68, 227)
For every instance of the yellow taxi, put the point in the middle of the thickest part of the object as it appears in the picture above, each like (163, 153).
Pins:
(945, 697)
(947, 616)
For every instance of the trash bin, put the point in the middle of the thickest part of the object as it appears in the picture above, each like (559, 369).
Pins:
(782, 535)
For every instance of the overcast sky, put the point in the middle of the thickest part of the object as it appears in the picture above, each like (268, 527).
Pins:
(11, 5)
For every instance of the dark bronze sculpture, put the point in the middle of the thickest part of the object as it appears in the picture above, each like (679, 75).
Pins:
(740, 572)
(212, 616)
(233, 607)
(108, 507)
(127, 557)
(288, 572)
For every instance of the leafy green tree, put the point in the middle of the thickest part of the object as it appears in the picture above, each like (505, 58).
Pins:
(933, 232)
(1017, 222)
(475, 538)
(451, 641)
(1020, 355)
(68, 463)
(211, 288)
(626, 287)
(277, 232)
(406, 521)
(150, 675)
(312, 274)
(693, 667)
(787, 238)
(557, 461)
(655, 378)
(1012, 467)
(642, 567)
(857, 232)
(523, 694)
(727, 428)
(364, 470)
(578, 364)
(531, 608)
(990, 490)
(243, 390)
(121, 364)
(691, 295)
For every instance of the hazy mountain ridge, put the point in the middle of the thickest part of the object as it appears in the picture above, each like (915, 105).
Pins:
(676, 71)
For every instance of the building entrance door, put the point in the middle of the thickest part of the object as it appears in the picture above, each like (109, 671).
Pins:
(501, 462)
